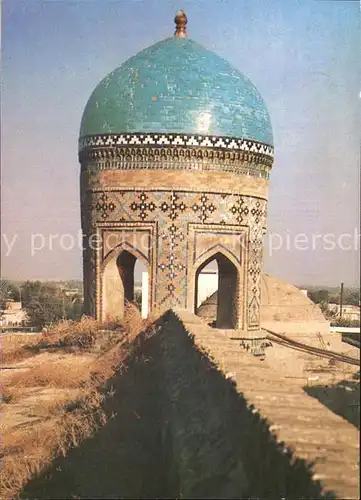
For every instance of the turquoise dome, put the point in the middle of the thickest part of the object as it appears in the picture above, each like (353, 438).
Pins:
(177, 86)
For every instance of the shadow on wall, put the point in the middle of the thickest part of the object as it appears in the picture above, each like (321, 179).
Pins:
(342, 398)
(221, 447)
(124, 458)
(179, 430)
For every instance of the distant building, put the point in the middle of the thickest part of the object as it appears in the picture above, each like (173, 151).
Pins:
(349, 312)
(13, 314)
(71, 292)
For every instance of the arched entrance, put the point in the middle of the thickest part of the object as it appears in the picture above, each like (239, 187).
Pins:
(119, 284)
(226, 305)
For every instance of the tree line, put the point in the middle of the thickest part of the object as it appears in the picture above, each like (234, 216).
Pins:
(44, 303)
(351, 296)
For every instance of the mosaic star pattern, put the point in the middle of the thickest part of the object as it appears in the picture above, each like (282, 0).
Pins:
(172, 211)
(142, 208)
(104, 206)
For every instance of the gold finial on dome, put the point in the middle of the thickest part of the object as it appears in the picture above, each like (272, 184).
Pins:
(180, 22)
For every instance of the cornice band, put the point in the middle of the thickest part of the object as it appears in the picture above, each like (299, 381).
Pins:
(175, 152)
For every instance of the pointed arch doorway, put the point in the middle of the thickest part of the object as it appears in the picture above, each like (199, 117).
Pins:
(119, 282)
(226, 307)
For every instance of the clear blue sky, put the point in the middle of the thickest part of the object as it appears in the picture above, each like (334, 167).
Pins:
(304, 57)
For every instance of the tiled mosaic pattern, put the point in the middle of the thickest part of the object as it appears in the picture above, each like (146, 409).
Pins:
(91, 260)
(175, 152)
(89, 257)
(204, 141)
(254, 277)
(177, 86)
(162, 151)
(172, 212)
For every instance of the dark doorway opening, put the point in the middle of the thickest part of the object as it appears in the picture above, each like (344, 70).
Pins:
(221, 310)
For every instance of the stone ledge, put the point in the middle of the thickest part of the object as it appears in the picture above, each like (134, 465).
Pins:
(295, 435)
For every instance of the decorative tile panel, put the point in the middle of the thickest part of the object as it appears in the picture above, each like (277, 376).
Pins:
(202, 141)
(173, 211)
(175, 152)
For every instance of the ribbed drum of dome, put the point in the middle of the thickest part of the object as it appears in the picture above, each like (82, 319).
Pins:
(177, 101)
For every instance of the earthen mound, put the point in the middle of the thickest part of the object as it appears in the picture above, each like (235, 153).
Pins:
(280, 302)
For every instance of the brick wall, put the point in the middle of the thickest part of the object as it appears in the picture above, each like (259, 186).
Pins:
(217, 445)
(194, 416)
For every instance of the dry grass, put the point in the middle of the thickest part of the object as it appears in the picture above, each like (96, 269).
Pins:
(15, 348)
(68, 405)
(132, 321)
(69, 372)
(57, 402)
(26, 453)
(81, 334)
(12, 394)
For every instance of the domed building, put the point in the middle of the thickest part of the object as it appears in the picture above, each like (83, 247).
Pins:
(175, 150)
